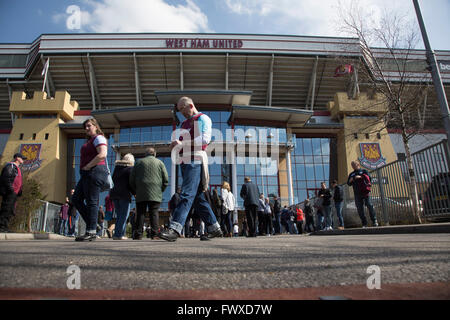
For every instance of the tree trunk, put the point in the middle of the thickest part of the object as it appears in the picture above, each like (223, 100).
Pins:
(411, 175)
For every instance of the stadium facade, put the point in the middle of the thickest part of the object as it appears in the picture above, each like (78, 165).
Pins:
(285, 110)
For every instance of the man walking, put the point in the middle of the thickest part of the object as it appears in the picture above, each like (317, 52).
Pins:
(249, 192)
(325, 194)
(194, 170)
(10, 189)
(73, 216)
(360, 180)
(148, 180)
(276, 212)
(338, 198)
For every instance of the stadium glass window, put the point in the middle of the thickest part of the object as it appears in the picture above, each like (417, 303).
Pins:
(310, 166)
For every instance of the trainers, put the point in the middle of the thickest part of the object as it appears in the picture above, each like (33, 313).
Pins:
(169, 235)
(119, 238)
(375, 224)
(86, 237)
(215, 234)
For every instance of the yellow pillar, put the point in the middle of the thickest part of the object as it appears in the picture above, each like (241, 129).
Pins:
(363, 127)
(37, 135)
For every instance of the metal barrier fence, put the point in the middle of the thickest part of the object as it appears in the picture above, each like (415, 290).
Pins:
(46, 218)
(391, 194)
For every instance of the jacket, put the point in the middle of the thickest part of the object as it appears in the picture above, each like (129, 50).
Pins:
(355, 183)
(250, 194)
(121, 179)
(9, 179)
(149, 179)
(228, 200)
(337, 195)
(326, 196)
(261, 205)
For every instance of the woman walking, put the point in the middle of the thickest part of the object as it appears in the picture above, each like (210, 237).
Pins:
(228, 204)
(93, 174)
(121, 194)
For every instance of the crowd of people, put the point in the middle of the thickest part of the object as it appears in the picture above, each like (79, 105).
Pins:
(194, 210)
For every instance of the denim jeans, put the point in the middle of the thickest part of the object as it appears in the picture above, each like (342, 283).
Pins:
(64, 227)
(292, 227)
(328, 218)
(338, 206)
(277, 223)
(86, 195)
(192, 195)
(73, 228)
(360, 202)
(122, 207)
(320, 219)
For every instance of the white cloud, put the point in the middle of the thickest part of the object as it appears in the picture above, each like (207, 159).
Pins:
(140, 16)
(307, 17)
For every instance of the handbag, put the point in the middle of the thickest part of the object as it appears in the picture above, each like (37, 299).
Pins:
(109, 184)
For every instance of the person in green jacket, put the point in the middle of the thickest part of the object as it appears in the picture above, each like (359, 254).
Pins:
(148, 180)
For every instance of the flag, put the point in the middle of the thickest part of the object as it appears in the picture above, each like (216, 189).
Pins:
(44, 71)
(343, 70)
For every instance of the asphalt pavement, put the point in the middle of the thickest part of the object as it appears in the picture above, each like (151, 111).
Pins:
(404, 265)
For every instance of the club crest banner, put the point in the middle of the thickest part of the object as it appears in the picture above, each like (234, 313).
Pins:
(32, 152)
(371, 156)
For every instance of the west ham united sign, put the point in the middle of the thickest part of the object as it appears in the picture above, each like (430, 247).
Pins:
(32, 152)
(371, 157)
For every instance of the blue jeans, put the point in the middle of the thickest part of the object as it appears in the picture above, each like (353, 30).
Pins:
(338, 206)
(86, 195)
(327, 214)
(320, 219)
(277, 224)
(64, 227)
(73, 229)
(122, 207)
(292, 227)
(360, 202)
(192, 195)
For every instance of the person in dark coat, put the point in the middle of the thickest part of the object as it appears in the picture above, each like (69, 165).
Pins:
(148, 180)
(10, 189)
(338, 197)
(276, 213)
(309, 216)
(325, 194)
(250, 194)
(121, 194)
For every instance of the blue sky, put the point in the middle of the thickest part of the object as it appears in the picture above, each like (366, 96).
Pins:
(22, 21)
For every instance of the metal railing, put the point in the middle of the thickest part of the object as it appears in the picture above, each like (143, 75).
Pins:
(391, 190)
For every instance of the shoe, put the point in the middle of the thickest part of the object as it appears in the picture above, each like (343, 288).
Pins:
(119, 238)
(215, 234)
(204, 238)
(364, 227)
(86, 237)
(375, 224)
(169, 235)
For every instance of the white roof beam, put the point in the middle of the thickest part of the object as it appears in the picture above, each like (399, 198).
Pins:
(139, 100)
(94, 88)
(270, 83)
(312, 86)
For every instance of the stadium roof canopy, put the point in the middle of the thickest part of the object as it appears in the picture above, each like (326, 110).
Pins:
(117, 71)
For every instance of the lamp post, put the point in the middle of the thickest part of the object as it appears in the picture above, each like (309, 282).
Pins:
(436, 75)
